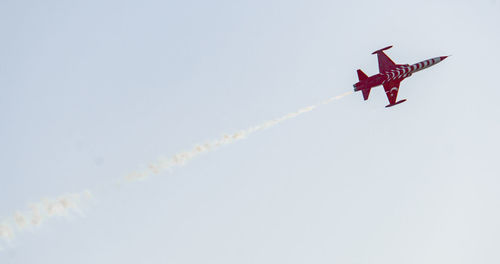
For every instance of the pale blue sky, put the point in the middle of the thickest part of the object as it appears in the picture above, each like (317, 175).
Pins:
(92, 90)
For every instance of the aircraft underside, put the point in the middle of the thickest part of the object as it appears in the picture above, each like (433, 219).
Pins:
(390, 76)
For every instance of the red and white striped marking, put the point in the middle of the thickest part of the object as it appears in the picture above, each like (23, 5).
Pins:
(406, 71)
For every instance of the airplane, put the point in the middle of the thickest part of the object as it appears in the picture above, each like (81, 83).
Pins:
(390, 76)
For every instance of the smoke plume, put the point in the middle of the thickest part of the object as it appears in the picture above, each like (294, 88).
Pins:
(41, 211)
(182, 158)
(67, 204)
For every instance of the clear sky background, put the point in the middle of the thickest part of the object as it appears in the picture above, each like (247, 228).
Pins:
(93, 90)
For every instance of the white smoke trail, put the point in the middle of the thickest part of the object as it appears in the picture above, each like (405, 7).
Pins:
(62, 206)
(181, 158)
(41, 211)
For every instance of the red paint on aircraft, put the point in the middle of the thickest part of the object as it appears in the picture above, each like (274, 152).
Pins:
(390, 75)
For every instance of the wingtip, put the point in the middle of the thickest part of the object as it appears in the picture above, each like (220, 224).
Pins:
(380, 50)
(396, 103)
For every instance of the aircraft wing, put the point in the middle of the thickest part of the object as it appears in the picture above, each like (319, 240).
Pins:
(384, 62)
(391, 90)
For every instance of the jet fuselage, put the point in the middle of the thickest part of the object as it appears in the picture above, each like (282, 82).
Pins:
(397, 74)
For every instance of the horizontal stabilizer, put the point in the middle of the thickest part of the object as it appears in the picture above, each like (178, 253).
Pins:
(398, 102)
(362, 75)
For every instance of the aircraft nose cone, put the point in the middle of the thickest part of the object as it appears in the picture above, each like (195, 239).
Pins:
(443, 57)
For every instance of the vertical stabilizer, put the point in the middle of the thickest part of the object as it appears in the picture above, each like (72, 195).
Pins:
(366, 93)
(362, 76)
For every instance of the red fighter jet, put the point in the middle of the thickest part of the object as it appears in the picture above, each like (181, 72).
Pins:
(390, 76)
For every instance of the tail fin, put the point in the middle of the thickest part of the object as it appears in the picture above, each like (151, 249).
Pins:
(363, 76)
(366, 92)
